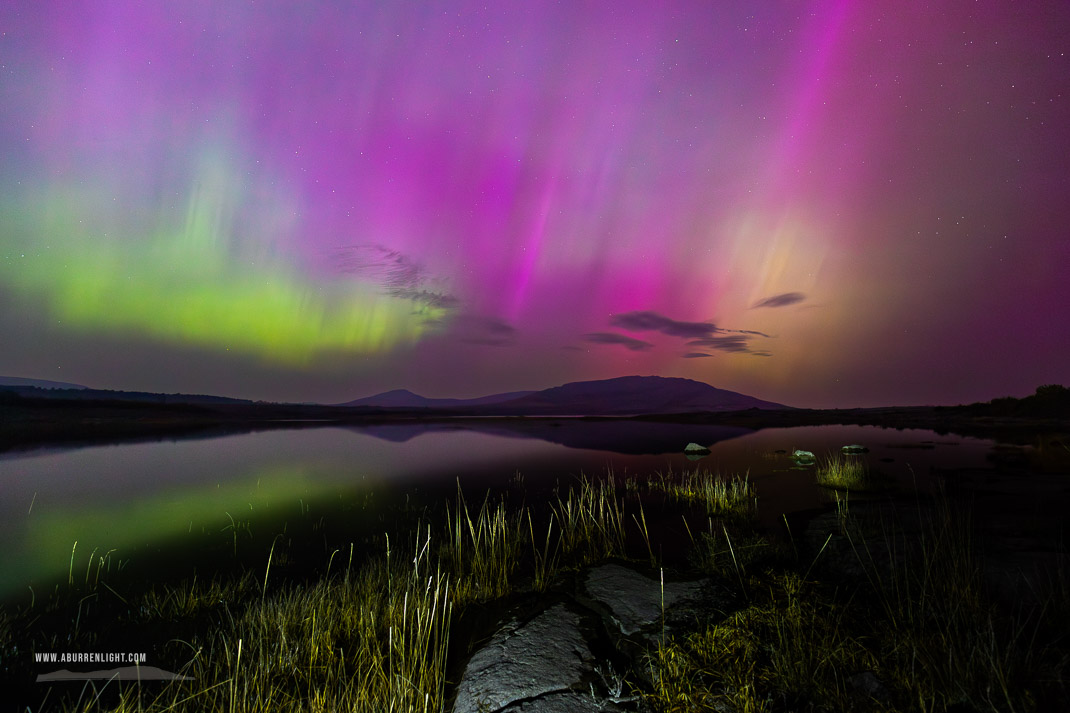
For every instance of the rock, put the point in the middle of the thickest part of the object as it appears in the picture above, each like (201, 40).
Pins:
(547, 664)
(854, 449)
(563, 703)
(803, 456)
(866, 687)
(524, 663)
(696, 449)
(634, 599)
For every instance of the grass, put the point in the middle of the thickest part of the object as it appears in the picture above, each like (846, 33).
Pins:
(732, 497)
(192, 598)
(846, 473)
(482, 554)
(715, 551)
(373, 633)
(371, 640)
(591, 521)
(944, 640)
(920, 624)
(374, 642)
(547, 560)
(369, 636)
(788, 647)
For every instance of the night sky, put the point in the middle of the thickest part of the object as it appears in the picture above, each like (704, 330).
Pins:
(824, 203)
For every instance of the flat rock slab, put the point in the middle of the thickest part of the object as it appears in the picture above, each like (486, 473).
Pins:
(635, 600)
(524, 663)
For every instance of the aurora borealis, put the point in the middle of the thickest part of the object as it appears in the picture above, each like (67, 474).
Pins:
(823, 203)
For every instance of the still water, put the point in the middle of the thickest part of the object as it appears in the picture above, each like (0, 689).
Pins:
(64, 512)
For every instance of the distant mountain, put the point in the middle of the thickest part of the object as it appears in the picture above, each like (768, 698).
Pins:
(403, 398)
(73, 392)
(626, 395)
(39, 383)
(631, 395)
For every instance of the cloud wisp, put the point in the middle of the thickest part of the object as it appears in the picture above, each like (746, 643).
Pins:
(733, 343)
(781, 300)
(654, 322)
(635, 345)
(398, 274)
(699, 334)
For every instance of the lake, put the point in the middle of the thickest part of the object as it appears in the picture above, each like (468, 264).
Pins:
(66, 513)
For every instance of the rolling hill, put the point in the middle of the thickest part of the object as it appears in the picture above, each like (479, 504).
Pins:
(627, 395)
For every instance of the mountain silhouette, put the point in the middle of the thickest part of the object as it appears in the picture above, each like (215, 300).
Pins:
(626, 395)
(629, 395)
(403, 398)
(37, 383)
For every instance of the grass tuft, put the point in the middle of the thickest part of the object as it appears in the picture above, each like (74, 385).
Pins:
(785, 648)
(734, 497)
(591, 520)
(371, 643)
(483, 553)
(845, 473)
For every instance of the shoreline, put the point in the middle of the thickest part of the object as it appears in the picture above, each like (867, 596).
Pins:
(39, 423)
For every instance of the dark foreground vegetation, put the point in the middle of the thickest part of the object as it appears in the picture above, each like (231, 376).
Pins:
(875, 606)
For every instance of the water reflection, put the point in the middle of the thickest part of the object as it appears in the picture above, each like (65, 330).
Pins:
(627, 437)
(130, 500)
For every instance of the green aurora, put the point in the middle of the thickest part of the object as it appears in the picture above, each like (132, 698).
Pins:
(196, 281)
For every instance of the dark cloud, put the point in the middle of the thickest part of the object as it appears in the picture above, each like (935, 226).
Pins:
(699, 334)
(646, 321)
(724, 344)
(636, 345)
(788, 298)
(652, 321)
(761, 354)
(399, 275)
